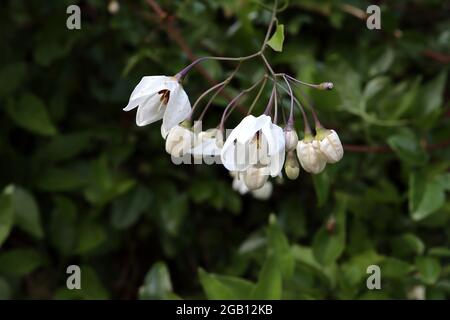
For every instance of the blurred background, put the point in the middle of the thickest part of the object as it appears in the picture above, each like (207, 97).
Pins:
(82, 184)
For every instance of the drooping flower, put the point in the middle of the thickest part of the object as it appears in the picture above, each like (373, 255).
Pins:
(310, 158)
(255, 143)
(159, 97)
(179, 140)
(329, 144)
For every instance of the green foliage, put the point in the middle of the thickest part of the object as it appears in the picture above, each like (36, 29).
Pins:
(277, 39)
(81, 184)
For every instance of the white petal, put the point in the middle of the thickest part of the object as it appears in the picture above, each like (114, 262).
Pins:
(148, 86)
(276, 163)
(178, 108)
(310, 159)
(150, 110)
(234, 157)
(275, 138)
(164, 132)
(233, 154)
(331, 147)
(207, 147)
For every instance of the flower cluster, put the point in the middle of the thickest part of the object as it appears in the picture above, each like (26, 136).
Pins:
(256, 149)
(260, 146)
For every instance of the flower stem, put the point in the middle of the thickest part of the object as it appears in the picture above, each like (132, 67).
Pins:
(290, 122)
(233, 102)
(258, 95)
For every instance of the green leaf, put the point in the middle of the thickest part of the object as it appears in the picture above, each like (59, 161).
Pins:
(5, 289)
(11, 77)
(328, 245)
(407, 147)
(322, 187)
(30, 113)
(432, 98)
(439, 252)
(425, 196)
(408, 244)
(269, 286)
(128, 208)
(6, 213)
(157, 284)
(383, 63)
(277, 39)
(63, 226)
(278, 246)
(20, 262)
(62, 179)
(91, 235)
(429, 269)
(395, 268)
(26, 213)
(219, 287)
(64, 147)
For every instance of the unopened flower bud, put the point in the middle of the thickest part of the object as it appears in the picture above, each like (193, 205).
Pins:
(179, 140)
(264, 192)
(329, 144)
(113, 6)
(291, 166)
(239, 185)
(326, 86)
(291, 139)
(255, 177)
(310, 158)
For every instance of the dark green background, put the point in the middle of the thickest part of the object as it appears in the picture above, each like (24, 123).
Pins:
(81, 184)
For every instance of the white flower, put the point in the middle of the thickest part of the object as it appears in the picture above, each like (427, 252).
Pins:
(310, 158)
(254, 142)
(179, 140)
(264, 192)
(329, 144)
(209, 143)
(159, 97)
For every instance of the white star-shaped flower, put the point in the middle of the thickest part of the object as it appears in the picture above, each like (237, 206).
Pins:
(159, 97)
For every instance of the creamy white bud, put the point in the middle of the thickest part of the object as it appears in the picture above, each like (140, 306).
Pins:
(113, 6)
(255, 177)
(179, 141)
(329, 144)
(310, 159)
(264, 192)
(291, 138)
(291, 166)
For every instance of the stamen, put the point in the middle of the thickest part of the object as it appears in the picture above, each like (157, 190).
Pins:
(165, 96)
